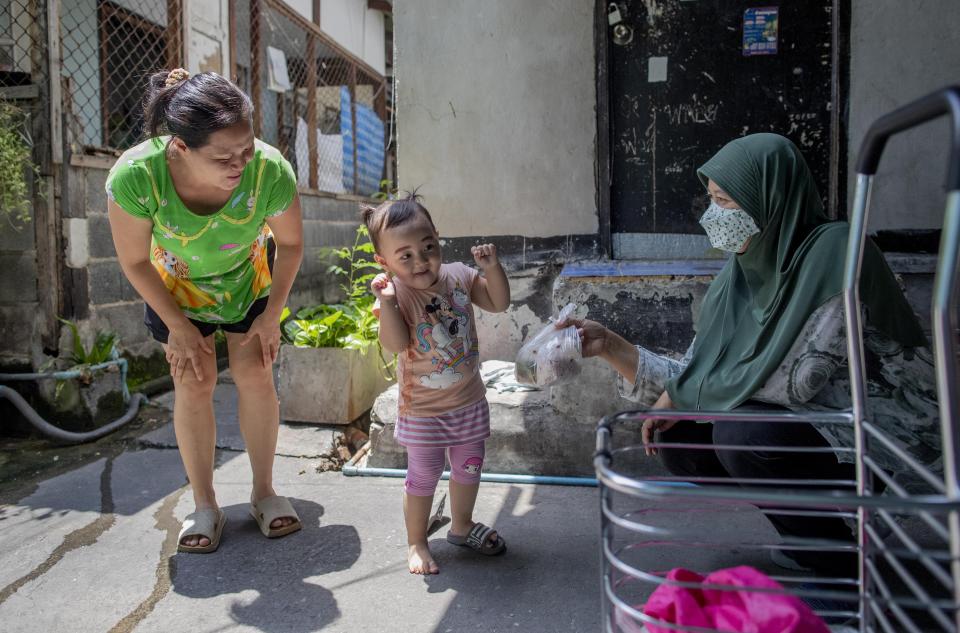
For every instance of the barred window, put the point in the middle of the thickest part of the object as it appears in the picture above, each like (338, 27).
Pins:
(6, 37)
(132, 48)
(323, 107)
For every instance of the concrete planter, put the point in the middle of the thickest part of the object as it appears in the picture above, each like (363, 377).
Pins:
(328, 385)
(84, 403)
(528, 435)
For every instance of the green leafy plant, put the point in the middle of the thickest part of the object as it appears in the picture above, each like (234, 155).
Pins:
(15, 165)
(103, 348)
(387, 190)
(349, 324)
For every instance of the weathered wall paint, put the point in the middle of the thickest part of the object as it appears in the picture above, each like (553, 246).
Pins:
(900, 51)
(495, 114)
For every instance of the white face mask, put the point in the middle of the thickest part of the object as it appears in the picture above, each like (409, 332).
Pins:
(728, 229)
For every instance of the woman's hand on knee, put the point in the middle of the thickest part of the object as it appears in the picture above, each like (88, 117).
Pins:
(185, 344)
(652, 425)
(267, 329)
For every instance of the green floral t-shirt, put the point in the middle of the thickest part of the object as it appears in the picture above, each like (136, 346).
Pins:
(215, 266)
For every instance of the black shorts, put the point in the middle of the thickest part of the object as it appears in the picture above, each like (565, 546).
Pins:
(158, 329)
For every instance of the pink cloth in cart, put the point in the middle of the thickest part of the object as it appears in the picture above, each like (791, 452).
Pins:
(737, 611)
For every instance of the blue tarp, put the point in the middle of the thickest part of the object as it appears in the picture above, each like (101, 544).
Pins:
(370, 143)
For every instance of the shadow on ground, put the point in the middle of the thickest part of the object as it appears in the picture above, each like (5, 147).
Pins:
(283, 572)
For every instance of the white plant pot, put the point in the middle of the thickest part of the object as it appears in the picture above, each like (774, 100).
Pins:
(328, 385)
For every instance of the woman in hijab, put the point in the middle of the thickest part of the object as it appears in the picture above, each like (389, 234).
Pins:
(771, 335)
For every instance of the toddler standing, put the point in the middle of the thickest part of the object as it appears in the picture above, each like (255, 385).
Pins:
(426, 316)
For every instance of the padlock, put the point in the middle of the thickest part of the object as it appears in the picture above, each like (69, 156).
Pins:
(613, 14)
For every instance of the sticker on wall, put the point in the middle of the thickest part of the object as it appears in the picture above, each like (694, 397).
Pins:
(761, 30)
(277, 78)
(656, 69)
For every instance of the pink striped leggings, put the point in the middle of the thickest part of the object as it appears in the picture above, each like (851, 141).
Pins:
(425, 466)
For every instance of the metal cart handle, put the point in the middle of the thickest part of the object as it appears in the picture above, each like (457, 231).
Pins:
(943, 102)
(939, 103)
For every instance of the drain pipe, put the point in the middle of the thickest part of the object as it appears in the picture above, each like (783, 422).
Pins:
(500, 478)
(56, 433)
(68, 374)
(350, 469)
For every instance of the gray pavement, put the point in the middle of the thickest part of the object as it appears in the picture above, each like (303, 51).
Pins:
(93, 549)
(295, 440)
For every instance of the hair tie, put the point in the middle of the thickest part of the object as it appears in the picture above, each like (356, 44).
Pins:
(176, 76)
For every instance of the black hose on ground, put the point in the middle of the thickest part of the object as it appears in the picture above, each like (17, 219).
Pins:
(69, 437)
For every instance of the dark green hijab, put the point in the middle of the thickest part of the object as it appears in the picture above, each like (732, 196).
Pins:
(757, 306)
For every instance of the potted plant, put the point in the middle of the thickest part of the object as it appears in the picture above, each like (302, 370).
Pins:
(16, 166)
(331, 364)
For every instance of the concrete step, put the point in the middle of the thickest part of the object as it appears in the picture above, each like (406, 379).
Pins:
(528, 436)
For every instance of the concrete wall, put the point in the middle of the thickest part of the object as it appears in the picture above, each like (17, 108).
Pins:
(496, 124)
(114, 304)
(502, 334)
(18, 292)
(496, 114)
(900, 51)
(655, 311)
(495, 107)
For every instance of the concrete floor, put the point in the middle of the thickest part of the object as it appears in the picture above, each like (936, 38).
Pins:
(94, 549)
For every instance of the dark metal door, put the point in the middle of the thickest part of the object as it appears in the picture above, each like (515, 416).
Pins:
(687, 76)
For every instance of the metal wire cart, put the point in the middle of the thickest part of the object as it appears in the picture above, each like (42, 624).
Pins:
(907, 545)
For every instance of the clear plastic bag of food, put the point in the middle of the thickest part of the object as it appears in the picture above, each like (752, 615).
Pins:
(553, 355)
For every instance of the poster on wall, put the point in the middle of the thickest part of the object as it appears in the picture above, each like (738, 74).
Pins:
(761, 30)
(277, 78)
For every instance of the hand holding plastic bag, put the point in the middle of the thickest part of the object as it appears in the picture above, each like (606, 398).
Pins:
(552, 356)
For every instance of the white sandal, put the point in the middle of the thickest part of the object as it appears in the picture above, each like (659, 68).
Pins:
(271, 508)
(206, 523)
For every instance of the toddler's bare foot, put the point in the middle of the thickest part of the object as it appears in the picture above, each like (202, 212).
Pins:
(420, 561)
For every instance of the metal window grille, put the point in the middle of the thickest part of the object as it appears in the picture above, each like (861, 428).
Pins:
(24, 68)
(328, 117)
(108, 49)
(323, 108)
